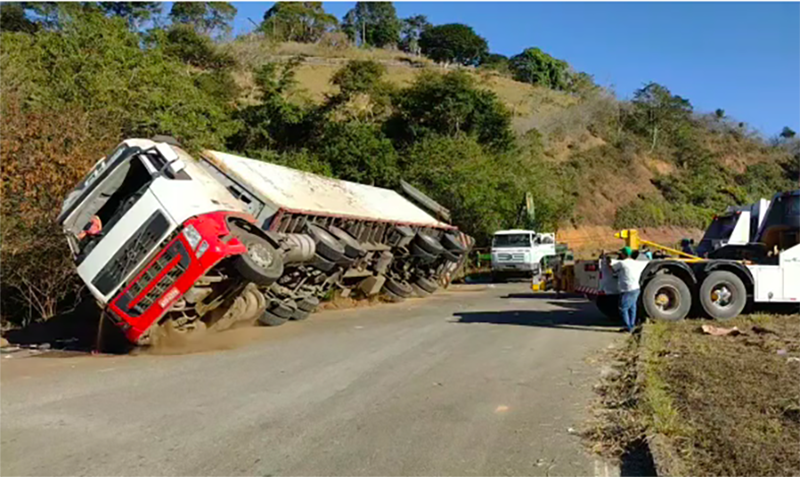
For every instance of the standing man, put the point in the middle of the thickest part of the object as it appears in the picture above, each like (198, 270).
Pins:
(627, 272)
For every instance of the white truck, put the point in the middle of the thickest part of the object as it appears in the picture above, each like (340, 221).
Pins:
(766, 269)
(163, 238)
(520, 252)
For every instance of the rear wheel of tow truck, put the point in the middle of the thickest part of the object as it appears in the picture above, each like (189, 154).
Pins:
(723, 295)
(667, 297)
(261, 264)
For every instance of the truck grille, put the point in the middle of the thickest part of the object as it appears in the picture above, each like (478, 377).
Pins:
(510, 257)
(167, 261)
(138, 246)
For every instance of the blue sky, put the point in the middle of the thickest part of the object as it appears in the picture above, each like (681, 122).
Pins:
(741, 57)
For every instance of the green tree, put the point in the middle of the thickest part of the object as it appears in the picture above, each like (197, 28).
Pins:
(303, 22)
(359, 152)
(411, 30)
(135, 13)
(181, 41)
(450, 104)
(453, 43)
(719, 113)
(372, 24)
(495, 61)
(787, 132)
(660, 112)
(13, 18)
(207, 18)
(534, 66)
(359, 76)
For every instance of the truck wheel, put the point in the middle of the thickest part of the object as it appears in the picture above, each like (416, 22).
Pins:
(723, 295)
(418, 252)
(393, 297)
(261, 264)
(327, 245)
(450, 256)
(322, 263)
(270, 319)
(398, 287)
(300, 315)
(450, 242)
(427, 285)
(352, 248)
(608, 306)
(284, 310)
(428, 243)
(667, 297)
(419, 291)
(309, 303)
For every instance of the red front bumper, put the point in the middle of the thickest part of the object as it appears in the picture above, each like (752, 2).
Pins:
(173, 271)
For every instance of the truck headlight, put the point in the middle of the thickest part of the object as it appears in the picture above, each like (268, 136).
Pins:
(201, 249)
(192, 236)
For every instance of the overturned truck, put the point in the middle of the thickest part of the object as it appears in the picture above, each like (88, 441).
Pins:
(165, 239)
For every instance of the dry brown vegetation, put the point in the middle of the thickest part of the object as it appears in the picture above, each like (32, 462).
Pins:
(43, 155)
(708, 405)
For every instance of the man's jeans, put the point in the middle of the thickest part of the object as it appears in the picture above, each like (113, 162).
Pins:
(627, 307)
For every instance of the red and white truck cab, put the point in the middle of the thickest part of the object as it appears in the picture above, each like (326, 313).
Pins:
(163, 223)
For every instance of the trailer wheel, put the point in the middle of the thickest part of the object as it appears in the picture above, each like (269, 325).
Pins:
(723, 295)
(300, 315)
(450, 242)
(284, 310)
(393, 297)
(327, 245)
(418, 252)
(322, 263)
(427, 285)
(261, 264)
(428, 244)
(667, 297)
(352, 248)
(271, 319)
(309, 303)
(451, 256)
(419, 291)
(399, 288)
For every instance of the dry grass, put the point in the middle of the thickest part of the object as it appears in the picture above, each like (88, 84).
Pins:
(708, 405)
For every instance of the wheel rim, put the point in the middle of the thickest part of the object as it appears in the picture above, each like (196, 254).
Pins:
(721, 295)
(260, 255)
(667, 299)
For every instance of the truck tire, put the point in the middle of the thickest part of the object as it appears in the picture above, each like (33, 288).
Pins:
(419, 291)
(326, 244)
(427, 285)
(393, 297)
(429, 244)
(608, 306)
(284, 310)
(309, 303)
(451, 256)
(261, 264)
(352, 248)
(667, 297)
(300, 315)
(723, 295)
(450, 242)
(398, 287)
(418, 252)
(322, 263)
(271, 319)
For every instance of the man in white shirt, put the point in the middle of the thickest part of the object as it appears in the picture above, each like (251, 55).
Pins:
(627, 272)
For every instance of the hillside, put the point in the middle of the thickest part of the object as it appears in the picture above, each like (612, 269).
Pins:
(608, 177)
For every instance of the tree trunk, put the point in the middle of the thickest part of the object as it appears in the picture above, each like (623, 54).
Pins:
(655, 135)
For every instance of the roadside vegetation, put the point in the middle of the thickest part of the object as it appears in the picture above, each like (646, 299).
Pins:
(370, 98)
(706, 405)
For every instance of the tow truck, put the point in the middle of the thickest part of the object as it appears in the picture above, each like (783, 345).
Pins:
(729, 278)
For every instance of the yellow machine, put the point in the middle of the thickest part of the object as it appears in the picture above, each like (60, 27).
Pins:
(632, 240)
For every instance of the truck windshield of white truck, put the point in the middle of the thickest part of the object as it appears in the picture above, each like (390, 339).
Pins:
(511, 240)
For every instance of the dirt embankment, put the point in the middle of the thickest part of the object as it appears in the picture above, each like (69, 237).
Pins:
(587, 241)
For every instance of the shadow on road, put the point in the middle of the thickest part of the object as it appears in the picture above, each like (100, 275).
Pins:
(76, 330)
(543, 295)
(570, 314)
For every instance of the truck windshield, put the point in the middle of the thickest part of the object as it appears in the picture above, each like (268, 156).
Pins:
(781, 227)
(511, 240)
(106, 202)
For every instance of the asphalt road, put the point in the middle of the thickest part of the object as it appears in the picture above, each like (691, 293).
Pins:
(477, 380)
